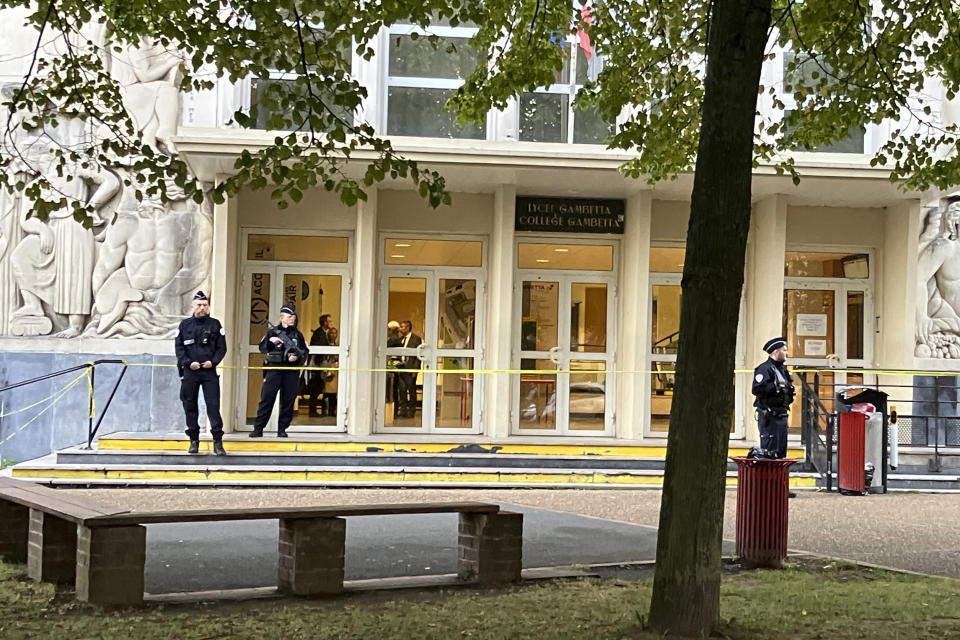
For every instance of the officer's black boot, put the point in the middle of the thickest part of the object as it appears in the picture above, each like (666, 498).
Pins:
(218, 449)
(282, 434)
(194, 446)
(256, 433)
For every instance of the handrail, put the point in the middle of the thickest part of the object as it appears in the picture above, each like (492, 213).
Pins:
(91, 367)
(819, 445)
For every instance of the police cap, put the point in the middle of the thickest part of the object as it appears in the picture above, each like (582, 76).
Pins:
(774, 343)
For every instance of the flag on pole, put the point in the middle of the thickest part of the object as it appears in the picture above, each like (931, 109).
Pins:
(583, 36)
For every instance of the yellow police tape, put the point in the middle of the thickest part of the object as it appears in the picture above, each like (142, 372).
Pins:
(888, 372)
(53, 398)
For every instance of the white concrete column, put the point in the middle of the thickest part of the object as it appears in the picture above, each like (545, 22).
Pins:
(898, 289)
(363, 324)
(498, 351)
(224, 284)
(766, 248)
(634, 310)
(898, 293)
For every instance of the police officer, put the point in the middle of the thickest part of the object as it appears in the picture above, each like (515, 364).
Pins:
(773, 387)
(200, 346)
(286, 350)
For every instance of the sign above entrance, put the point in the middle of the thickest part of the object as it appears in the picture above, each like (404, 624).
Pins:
(569, 215)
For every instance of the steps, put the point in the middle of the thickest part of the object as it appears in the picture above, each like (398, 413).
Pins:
(160, 459)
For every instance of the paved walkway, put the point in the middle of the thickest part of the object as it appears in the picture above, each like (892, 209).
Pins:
(917, 532)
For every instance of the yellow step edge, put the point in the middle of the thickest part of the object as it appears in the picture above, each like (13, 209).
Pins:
(293, 446)
(363, 477)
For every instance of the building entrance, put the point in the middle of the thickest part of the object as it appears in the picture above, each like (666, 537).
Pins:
(434, 324)
(566, 327)
(828, 321)
(318, 290)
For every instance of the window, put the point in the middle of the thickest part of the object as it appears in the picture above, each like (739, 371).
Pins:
(294, 248)
(547, 115)
(815, 264)
(263, 94)
(422, 76)
(591, 257)
(443, 253)
(810, 73)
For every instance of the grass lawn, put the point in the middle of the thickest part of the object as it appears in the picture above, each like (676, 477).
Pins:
(814, 600)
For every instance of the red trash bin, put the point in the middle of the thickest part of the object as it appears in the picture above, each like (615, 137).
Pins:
(762, 510)
(850, 457)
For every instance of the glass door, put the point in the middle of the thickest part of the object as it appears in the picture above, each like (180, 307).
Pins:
(665, 299)
(827, 325)
(426, 360)
(320, 296)
(566, 354)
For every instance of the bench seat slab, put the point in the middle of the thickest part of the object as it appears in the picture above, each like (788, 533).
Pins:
(311, 556)
(110, 564)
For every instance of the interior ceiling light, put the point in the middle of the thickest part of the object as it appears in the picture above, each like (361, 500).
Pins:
(401, 244)
(560, 250)
(397, 255)
(542, 260)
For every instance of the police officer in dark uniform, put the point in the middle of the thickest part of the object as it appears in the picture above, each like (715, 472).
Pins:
(286, 350)
(773, 387)
(200, 346)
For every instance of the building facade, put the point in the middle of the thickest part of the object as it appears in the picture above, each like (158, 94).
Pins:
(546, 296)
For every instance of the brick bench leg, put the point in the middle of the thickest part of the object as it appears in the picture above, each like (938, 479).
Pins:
(311, 555)
(14, 531)
(110, 562)
(51, 548)
(491, 547)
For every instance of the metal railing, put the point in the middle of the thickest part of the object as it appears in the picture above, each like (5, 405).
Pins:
(817, 429)
(91, 368)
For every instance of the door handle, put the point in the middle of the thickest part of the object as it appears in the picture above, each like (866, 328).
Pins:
(420, 348)
(833, 361)
(552, 354)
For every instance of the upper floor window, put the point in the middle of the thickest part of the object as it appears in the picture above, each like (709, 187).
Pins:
(423, 75)
(548, 115)
(274, 113)
(809, 72)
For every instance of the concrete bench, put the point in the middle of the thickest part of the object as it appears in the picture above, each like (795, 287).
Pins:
(63, 538)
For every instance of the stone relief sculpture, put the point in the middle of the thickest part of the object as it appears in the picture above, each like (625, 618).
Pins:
(133, 274)
(938, 275)
(151, 258)
(53, 263)
(148, 77)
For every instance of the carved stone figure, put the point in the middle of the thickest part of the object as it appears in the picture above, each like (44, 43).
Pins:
(53, 264)
(152, 256)
(938, 274)
(148, 77)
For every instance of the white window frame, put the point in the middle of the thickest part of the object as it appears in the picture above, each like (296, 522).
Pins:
(415, 82)
(871, 133)
(569, 89)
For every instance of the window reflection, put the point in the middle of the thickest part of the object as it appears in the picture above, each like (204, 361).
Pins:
(458, 308)
(540, 304)
(587, 402)
(587, 257)
(588, 317)
(812, 264)
(538, 395)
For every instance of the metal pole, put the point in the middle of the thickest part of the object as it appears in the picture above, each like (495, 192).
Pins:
(92, 391)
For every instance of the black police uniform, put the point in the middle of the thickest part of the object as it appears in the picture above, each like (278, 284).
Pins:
(285, 379)
(773, 387)
(200, 340)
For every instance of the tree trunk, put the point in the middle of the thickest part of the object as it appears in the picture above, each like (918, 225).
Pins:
(686, 587)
